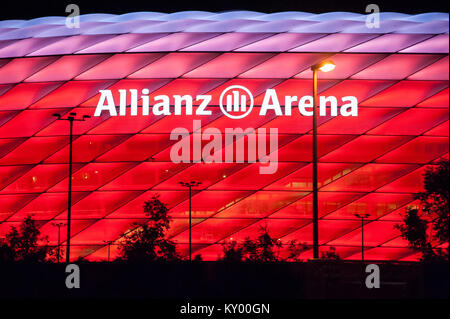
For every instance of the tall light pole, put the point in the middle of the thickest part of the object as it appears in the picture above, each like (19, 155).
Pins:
(362, 216)
(109, 242)
(324, 66)
(189, 185)
(58, 252)
(71, 118)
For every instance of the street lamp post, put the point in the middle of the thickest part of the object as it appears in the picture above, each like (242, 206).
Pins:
(324, 66)
(189, 185)
(109, 242)
(58, 252)
(71, 118)
(362, 216)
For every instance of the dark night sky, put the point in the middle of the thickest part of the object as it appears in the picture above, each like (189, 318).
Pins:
(10, 9)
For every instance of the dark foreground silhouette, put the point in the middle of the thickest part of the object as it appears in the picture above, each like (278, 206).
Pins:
(320, 279)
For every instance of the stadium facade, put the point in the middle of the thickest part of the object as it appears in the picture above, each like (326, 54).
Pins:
(371, 163)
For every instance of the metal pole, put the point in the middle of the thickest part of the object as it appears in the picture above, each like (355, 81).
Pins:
(362, 239)
(315, 187)
(189, 185)
(190, 223)
(362, 216)
(59, 241)
(71, 118)
(69, 199)
(58, 246)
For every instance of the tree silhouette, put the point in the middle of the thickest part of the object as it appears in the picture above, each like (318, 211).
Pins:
(147, 242)
(331, 254)
(232, 252)
(295, 250)
(25, 244)
(414, 229)
(262, 249)
(434, 212)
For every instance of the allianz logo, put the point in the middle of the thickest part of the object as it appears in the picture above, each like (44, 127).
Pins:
(235, 102)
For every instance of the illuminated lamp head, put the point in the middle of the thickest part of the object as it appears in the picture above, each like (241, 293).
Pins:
(324, 66)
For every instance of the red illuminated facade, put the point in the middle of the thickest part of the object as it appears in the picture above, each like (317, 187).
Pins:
(372, 163)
